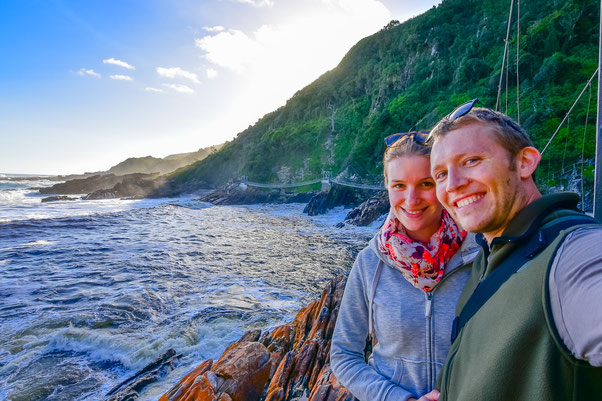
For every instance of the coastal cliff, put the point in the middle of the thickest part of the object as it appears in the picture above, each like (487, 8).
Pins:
(287, 363)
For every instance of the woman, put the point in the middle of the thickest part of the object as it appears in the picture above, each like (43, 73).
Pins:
(403, 287)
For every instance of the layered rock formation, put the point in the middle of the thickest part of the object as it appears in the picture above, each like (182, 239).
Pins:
(338, 195)
(236, 193)
(369, 210)
(288, 363)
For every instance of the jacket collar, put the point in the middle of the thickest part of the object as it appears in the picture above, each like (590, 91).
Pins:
(531, 216)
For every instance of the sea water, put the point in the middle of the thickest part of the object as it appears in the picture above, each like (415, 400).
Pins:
(92, 291)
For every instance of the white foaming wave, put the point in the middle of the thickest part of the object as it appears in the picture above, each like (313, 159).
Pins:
(31, 208)
(40, 243)
(98, 345)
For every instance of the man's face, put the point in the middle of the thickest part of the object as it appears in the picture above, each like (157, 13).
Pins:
(477, 182)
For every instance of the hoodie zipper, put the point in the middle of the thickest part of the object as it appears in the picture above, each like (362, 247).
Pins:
(428, 312)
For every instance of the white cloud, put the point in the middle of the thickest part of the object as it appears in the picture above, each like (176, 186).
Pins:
(149, 89)
(121, 77)
(258, 3)
(119, 63)
(175, 72)
(273, 61)
(217, 28)
(83, 72)
(179, 88)
(309, 44)
(211, 73)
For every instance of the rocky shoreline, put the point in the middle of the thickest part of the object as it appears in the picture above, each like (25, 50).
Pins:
(368, 205)
(288, 363)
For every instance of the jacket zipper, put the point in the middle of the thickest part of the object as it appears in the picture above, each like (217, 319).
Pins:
(428, 311)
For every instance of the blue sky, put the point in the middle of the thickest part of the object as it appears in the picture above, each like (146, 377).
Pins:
(87, 84)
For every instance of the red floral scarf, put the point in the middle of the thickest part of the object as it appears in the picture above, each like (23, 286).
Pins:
(422, 264)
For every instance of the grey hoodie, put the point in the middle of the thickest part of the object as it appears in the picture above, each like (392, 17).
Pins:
(412, 327)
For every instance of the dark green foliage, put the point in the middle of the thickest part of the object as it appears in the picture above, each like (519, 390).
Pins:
(408, 76)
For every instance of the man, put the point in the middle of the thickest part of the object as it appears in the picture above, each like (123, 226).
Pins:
(537, 333)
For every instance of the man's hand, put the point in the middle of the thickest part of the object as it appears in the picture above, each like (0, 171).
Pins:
(432, 396)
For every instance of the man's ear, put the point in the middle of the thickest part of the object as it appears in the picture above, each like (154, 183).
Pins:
(528, 159)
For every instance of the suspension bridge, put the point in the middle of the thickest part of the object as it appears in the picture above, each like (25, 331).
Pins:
(326, 182)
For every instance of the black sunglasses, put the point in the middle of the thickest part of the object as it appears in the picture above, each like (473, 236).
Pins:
(462, 109)
(420, 137)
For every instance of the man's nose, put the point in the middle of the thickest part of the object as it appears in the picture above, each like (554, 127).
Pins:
(455, 180)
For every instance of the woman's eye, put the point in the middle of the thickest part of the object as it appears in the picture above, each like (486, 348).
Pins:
(428, 184)
(471, 161)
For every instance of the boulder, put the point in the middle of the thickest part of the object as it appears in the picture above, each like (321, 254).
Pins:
(58, 198)
(370, 210)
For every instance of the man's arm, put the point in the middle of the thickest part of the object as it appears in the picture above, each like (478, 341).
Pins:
(576, 293)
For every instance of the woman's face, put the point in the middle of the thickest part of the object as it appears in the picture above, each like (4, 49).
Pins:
(413, 197)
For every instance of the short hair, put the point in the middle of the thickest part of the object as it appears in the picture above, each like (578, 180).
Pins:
(404, 146)
(507, 132)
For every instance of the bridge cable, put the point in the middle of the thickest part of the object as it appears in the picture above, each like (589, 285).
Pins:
(517, 58)
(583, 147)
(499, 88)
(571, 109)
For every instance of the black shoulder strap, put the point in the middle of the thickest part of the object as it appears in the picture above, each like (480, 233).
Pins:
(529, 247)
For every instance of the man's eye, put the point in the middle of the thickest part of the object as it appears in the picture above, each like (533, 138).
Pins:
(471, 161)
(399, 186)
(428, 184)
(440, 176)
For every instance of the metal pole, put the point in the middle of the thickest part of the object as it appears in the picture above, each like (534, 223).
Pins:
(598, 163)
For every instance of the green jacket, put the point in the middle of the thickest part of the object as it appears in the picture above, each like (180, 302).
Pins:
(510, 349)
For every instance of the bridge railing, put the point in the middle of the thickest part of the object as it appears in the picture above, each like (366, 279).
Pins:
(325, 178)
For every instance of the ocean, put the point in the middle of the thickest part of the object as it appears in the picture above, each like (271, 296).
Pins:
(92, 291)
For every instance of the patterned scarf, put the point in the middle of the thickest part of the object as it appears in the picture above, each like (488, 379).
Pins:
(422, 264)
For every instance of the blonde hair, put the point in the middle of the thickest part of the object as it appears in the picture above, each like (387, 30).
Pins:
(404, 146)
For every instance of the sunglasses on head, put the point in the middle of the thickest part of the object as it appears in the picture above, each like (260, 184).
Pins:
(462, 110)
(420, 137)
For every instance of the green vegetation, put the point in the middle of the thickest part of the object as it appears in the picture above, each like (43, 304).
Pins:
(407, 76)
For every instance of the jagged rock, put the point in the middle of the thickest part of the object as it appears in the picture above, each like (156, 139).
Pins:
(184, 390)
(236, 193)
(239, 375)
(129, 388)
(338, 195)
(58, 198)
(295, 357)
(369, 210)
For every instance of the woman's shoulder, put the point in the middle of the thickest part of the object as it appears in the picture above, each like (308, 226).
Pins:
(366, 261)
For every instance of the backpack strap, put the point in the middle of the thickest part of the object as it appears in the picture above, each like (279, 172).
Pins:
(528, 247)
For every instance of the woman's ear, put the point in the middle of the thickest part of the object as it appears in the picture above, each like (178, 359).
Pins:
(528, 159)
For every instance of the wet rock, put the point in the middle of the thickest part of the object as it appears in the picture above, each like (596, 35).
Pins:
(288, 363)
(59, 198)
(236, 193)
(338, 195)
(239, 375)
(370, 210)
(130, 388)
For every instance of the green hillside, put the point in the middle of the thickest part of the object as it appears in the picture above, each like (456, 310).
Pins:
(407, 76)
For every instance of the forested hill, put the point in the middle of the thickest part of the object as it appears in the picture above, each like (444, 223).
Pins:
(407, 76)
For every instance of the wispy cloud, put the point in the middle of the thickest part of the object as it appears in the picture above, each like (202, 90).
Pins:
(150, 89)
(84, 71)
(175, 72)
(179, 88)
(211, 73)
(119, 63)
(121, 77)
(258, 3)
(217, 28)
